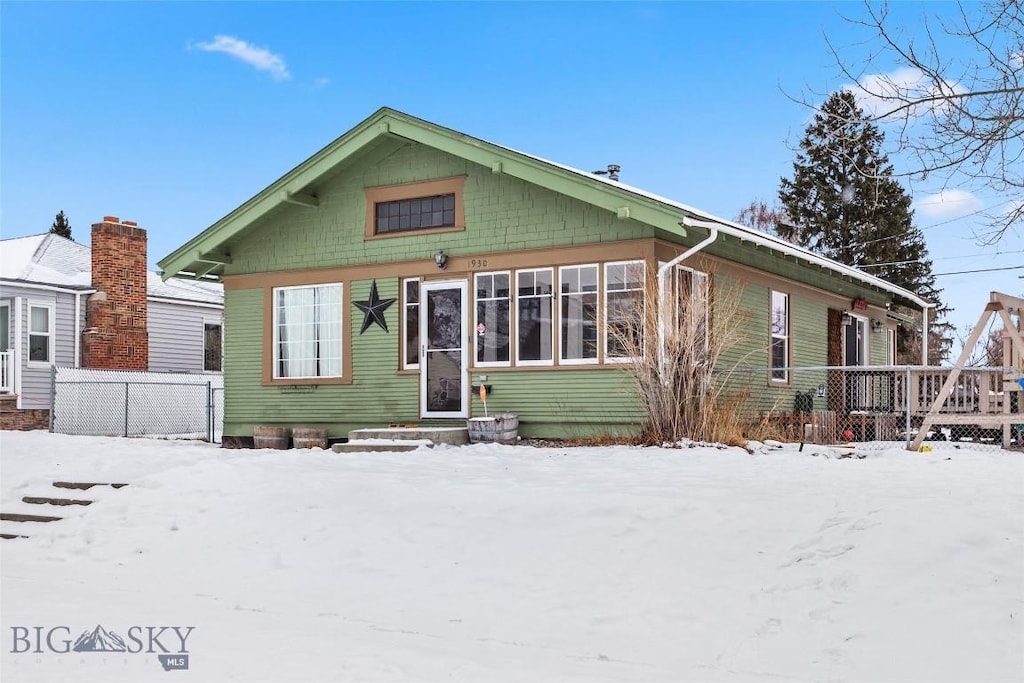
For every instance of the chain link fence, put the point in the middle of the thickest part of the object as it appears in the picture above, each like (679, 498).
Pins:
(115, 403)
(883, 406)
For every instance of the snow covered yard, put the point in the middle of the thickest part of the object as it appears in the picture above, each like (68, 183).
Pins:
(490, 563)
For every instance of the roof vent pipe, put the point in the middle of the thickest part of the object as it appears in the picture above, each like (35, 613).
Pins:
(612, 172)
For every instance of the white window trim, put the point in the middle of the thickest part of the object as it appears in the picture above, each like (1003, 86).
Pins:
(579, 361)
(772, 336)
(275, 341)
(476, 321)
(698, 291)
(50, 334)
(404, 363)
(890, 346)
(553, 298)
(604, 305)
(220, 323)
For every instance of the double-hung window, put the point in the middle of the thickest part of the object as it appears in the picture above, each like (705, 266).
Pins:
(534, 316)
(40, 334)
(493, 318)
(578, 302)
(307, 331)
(779, 350)
(624, 284)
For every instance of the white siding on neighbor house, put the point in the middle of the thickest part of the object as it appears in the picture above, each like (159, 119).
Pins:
(176, 335)
(35, 377)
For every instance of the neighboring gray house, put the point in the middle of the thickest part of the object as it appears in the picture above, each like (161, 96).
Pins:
(65, 303)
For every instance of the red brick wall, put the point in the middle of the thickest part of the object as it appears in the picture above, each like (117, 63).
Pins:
(116, 335)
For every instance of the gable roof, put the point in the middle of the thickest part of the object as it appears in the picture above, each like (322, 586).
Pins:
(205, 255)
(50, 259)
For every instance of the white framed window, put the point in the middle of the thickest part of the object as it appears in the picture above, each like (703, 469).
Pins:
(213, 345)
(692, 310)
(411, 323)
(535, 331)
(890, 346)
(40, 333)
(624, 284)
(578, 302)
(307, 331)
(493, 323)
(779, 342)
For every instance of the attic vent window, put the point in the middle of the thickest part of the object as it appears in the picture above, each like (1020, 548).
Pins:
(415, 214)
(415, 208)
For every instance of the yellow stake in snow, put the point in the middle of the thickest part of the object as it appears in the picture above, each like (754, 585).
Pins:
(483, 397)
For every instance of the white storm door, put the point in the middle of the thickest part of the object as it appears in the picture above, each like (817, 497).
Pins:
(444, 373)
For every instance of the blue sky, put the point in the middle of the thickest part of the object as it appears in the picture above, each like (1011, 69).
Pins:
(173, 114)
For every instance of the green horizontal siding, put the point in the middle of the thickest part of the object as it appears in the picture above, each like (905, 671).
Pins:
(550, 403)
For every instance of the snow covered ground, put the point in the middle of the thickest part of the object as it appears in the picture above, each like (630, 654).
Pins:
(492, 563)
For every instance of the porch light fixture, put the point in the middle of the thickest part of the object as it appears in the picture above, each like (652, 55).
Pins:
(441, 259)
(847, 318)
(877, 325)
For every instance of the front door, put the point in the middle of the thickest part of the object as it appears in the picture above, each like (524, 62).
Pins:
(855, 352)
(444, 377)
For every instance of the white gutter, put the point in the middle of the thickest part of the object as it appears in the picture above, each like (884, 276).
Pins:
(25, 284)
(663, 271)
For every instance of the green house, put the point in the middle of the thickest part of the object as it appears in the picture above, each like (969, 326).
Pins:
(387, 277)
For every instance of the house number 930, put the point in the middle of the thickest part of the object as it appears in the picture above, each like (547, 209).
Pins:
(478, 263)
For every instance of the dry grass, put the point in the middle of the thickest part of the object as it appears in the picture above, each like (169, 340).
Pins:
(684, 395)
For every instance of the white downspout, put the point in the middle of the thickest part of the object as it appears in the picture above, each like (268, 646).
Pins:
(16, 361)
(663, 272)
(78, 325)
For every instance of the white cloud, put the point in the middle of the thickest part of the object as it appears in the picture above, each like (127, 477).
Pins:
(321, 82)
(1017, 59)
(948, 204)
(880, 94)
(257, 57)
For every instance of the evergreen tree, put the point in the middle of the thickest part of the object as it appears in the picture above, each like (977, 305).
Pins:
(845, 204)
(61, 226)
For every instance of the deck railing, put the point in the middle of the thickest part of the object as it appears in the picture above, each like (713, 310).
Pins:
(6, 372)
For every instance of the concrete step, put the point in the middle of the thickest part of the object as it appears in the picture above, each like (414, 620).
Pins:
(373, 445)
(453, 436)
(83, 485)
(18, 517)
(43, 500)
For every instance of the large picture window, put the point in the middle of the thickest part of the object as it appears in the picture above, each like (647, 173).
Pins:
(779, 353)
(40, 334)
(534, 316)
(493, 318)
(307, 331)
(578, 303)
(624, 310)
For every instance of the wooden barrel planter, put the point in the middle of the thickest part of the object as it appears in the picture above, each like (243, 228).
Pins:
(271, 437)
(501, 428)
(309, 437)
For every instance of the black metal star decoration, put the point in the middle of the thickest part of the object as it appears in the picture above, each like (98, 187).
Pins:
(373, 309)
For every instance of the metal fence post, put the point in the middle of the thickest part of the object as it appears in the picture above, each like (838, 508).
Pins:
(906, 410)
(126, 408)
(209, 412)
(53, 393)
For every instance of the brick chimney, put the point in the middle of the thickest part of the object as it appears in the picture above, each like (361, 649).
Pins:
(116, 335)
